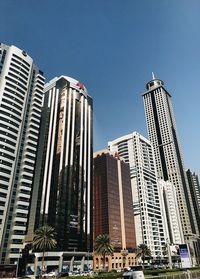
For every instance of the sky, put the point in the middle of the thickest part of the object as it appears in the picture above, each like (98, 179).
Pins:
(113, 46)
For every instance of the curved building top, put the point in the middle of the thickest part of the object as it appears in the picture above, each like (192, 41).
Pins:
(73, 83)
(128, 137)
(154, 83)
(18, 51)
(15, 52)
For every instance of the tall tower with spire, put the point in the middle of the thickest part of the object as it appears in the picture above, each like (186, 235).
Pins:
(163, 134)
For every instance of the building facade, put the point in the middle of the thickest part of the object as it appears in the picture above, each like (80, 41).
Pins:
(137, 151)
(170, 212)
(194, 187)
(21, 94)
(113, 214)
(62, 192)
(163, 135)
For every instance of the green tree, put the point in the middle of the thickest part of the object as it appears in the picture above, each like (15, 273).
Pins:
(142, 252)
(103, 247)
(44, 239)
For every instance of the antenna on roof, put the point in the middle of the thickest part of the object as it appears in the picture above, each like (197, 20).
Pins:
(153, 77)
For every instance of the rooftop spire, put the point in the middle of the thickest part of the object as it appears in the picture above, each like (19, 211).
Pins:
(154, 82)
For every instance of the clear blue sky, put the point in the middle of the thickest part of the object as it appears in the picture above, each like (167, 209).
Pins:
(112, 46)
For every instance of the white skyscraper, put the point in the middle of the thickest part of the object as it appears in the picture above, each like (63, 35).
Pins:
(170, 212)
(21, 90)
(163, 135)
(138, 152)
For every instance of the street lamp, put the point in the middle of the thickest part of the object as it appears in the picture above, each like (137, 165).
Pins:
(17, 268)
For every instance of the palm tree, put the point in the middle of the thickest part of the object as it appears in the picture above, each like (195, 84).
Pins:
(103, 247)
(142, 252)
(44, 239)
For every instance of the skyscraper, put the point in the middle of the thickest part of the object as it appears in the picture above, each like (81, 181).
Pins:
(113, 214)
(194, 187)
(163, 134)
(62, 193)
(138, 153)
(21, 91)
(170, 212)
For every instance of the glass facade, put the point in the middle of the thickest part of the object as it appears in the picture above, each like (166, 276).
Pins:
(113, 212)
(62, 195)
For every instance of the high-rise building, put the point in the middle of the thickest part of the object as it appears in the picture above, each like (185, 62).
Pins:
(62, 191)
(137, 151)
(170, 212)
(21, 93)
(163, 135)
(194, 187)
(113, 213)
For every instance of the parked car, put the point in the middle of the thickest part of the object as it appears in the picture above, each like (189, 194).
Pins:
(136, 272)
(51, 274)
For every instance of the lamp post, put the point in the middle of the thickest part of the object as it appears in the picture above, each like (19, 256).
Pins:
(17, 268)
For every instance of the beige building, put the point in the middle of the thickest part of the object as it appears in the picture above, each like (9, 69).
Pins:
(117, 261)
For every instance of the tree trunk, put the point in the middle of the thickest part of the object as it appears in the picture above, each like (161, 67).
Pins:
(143, 259)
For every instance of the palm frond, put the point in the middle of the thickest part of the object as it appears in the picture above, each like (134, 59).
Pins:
(143, 251)
(103, 246)
(44, 238)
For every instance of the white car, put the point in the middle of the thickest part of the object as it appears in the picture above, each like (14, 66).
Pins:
(133, 275)
(51, 274)
(136, 272)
